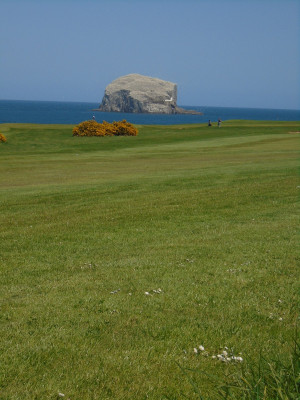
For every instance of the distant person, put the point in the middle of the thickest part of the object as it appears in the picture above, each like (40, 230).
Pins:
(209, 123)
(219, 123)
(94, 117)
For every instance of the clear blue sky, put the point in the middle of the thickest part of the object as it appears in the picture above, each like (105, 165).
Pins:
(231, 53)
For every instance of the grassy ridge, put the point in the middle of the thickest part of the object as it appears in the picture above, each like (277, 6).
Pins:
(88, 225)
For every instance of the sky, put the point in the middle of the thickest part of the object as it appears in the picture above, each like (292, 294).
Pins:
(223, 53)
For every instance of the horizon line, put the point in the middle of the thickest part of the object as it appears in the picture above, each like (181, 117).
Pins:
(184, 105)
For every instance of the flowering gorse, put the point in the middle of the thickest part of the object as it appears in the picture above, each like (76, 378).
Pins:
(2, 138)
(94, 128)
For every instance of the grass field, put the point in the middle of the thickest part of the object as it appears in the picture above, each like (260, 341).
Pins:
(120, 255)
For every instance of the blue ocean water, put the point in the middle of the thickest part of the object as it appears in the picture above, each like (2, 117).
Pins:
(54, 112)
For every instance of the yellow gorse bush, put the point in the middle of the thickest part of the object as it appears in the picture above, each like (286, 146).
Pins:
(2, 138)
(94, 128)
(124, 128)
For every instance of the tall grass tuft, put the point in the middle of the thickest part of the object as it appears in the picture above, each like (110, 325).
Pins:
(264, 380)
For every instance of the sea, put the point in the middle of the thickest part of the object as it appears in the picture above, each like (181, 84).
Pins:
(57, 112)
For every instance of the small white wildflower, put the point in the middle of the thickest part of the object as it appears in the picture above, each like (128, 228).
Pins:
(220, 356)
(228, 359)
(225, 354)
(61, 394)
(279, 301)
(115, 291)
(195, 350)
(280, 319)
(130, 294)
(226, 348)
(213, 357)
(239, 359)
(147, 293)
(201, 348)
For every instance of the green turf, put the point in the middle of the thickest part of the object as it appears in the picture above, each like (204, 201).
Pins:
(207, 215)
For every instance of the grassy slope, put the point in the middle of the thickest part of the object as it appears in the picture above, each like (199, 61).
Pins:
(208, 215)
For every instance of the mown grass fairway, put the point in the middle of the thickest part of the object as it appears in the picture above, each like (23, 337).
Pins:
(88, 225)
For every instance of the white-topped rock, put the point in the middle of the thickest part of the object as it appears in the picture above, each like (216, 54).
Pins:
(135, 93)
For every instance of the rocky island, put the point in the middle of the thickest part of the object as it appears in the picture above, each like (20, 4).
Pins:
(135, 93)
